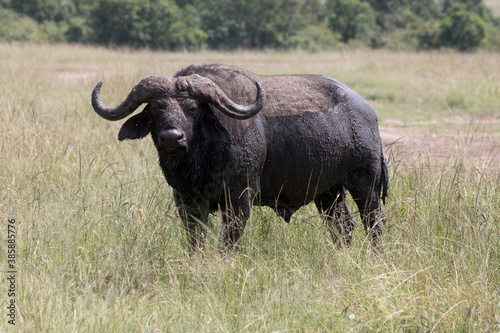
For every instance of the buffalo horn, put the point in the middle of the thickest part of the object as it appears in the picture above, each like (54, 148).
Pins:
(207, 90)
(143, 92)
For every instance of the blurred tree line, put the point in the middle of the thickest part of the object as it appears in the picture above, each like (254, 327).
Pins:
(258, 24)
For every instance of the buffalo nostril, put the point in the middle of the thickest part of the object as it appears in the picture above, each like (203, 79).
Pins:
(170, 137)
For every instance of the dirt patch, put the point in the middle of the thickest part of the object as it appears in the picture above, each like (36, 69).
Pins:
(419, 144)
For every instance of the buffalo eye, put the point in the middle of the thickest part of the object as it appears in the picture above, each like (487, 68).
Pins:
(191, 108)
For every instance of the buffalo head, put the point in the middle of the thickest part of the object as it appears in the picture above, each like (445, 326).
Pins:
(174, 107)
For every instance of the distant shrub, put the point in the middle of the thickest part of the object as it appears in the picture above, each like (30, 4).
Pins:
(259, 24)
(462, 29)
(158, 24)
(427, 35)
(233, 24)
(76, 31)
(45, 10)
(353, 19)
(15, 27)
(52, 32)
(314, 38)
(19, 28)
(492, 39)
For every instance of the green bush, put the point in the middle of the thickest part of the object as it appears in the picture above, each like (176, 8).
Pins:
(232, 24)
(427, 35)
(77, 30)
(44, 10)
(158, 24)
(492, 39)
(15, 27)
(316, 37)
(475, 6)
(353, 20)
(259, 24)
(462, 29)
(398, 14)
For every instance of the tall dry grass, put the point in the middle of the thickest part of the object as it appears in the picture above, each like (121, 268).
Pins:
(100, 248)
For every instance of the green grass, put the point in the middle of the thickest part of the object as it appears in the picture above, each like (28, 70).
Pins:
(100, 247)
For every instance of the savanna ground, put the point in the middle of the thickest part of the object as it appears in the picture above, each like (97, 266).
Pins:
(100, 247)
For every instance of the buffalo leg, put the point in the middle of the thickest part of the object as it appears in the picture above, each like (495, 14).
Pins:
(235, 213)
(370, 210)
(194, 220)
(336, 214)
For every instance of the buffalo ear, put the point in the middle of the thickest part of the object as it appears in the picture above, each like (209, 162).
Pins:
(211, 127)
(135, 127)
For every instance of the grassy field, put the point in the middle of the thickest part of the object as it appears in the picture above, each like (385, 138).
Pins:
(100, 247)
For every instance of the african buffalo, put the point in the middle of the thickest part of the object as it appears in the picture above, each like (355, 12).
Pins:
(228, 139)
